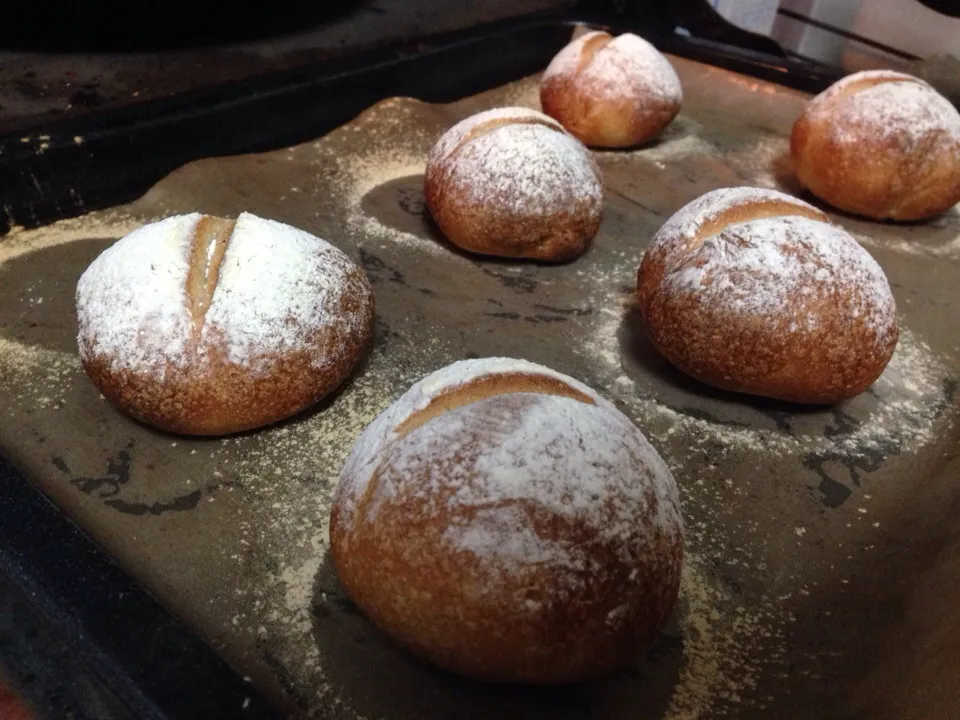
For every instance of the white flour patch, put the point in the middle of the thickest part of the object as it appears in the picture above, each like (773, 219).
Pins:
(362, 175)
(881, 237)
(950, 248)
(522, 93)
(288, 474)
(903, 409)
(34, 378)
(759, 161)
(383, 160)
(97, 225)
(297, 582)
(726, 645)
(662, 152)
(907, 414)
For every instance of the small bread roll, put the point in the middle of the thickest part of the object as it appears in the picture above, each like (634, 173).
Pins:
(611, 92)
(206, 326)
(504, 522)
(755, 291)
(512, 182)
(880, 144)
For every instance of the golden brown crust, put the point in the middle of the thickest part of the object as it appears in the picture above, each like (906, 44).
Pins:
(837, 361)
(498, 224)
(215, 397)
(489, 230)
(205, 393)
(822, 347)
(873, 166)
(568, 642)
(595, 115)
(455, 609)
(485, 387)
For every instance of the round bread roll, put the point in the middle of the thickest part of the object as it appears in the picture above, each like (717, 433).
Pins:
(504, 522)
(512, 182)
(206, 326)
(880, 144)
(611, 92)
(755, 291)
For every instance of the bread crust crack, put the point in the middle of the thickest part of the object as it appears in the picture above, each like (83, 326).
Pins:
(210, 239)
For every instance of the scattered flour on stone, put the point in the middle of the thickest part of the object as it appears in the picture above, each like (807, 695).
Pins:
(381, 160)
(96, 225)
(34, 379)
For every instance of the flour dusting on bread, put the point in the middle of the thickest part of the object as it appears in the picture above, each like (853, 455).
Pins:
(277, 286)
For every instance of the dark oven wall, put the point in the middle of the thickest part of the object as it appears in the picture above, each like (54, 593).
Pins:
(67, 59)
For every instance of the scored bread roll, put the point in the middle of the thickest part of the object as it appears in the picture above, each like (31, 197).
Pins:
(205, 326)
(512, 182)
(880, 144)
(502, 521)
(751, 290)
(611, 91)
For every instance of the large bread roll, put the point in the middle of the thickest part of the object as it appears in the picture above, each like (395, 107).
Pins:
(512, 182)
(205, 326)
(755, 291)
(503, 521)
(611, 91)
(880, 144)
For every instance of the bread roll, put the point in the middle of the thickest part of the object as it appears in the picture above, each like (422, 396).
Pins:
(504, 522)
(755, 291)
(206, 326)
(880, 144)
(611, 92)
(512, 182)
